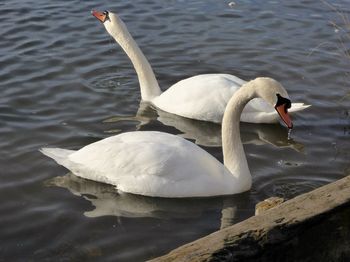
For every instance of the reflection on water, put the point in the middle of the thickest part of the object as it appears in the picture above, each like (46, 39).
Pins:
(206, 133)
(145, 114)
(107, 201)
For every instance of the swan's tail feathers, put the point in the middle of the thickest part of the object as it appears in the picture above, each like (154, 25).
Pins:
(59, 155)
(298, 107)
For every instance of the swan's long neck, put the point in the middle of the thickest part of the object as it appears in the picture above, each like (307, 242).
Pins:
(148, 82)
(234, 156)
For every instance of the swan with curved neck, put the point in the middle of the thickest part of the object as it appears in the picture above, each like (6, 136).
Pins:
(163, 165)
(201, 97)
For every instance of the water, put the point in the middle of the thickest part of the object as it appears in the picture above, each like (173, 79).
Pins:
(64, 82)
(289, 134)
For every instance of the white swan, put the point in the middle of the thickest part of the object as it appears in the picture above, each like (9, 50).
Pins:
(162, 165)
(201, 97)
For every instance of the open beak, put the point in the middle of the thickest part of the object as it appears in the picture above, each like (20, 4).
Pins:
(283, 113)
(102, 16)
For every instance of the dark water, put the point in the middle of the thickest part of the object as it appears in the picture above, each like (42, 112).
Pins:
(64, 82)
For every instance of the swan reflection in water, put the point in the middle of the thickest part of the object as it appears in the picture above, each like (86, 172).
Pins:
(206, 133)
(108, 201)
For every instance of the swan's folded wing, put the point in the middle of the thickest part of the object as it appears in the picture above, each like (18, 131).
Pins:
(202, 97)
(151, 163)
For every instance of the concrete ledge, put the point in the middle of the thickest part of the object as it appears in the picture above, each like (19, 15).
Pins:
(301, 229)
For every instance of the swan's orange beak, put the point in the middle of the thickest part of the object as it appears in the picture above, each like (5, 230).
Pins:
(281, 107)
(102, 16)
(283, 113)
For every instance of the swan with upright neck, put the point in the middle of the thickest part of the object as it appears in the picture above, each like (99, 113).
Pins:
(163, 165)
(202, 97)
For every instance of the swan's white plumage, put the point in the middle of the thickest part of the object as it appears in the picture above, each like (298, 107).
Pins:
(162, 165)
(150, 163)
(202, 97)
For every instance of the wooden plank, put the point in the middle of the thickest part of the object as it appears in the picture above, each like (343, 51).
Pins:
(256, 235)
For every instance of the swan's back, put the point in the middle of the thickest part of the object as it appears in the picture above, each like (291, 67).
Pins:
(202, 97)
(153, 164)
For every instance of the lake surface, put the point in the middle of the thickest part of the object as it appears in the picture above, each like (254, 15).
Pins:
(65, 83)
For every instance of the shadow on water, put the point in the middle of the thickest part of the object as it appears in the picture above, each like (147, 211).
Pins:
(206, 133)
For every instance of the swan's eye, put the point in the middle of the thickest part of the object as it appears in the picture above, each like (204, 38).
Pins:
(283, 101)
(106, 15)
(289, 104)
